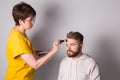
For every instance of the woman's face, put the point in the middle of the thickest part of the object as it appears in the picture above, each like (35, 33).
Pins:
(28, 23)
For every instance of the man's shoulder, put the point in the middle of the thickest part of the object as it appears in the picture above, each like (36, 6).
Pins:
(89, 59)
(64, 58)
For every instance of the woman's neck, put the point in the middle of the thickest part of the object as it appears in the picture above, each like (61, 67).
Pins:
(19, 28)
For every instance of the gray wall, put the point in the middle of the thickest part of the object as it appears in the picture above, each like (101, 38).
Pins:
(97, 20)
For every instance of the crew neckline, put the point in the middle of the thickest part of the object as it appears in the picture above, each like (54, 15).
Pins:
(83, 56)
(19, 32)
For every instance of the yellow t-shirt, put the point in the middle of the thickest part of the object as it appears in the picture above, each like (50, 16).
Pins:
(18, 69)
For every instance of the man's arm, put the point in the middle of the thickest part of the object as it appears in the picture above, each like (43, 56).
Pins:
(94, 74)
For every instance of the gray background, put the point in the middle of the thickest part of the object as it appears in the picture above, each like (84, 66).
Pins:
(97, 20)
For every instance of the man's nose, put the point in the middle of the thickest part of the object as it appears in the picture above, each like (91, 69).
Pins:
(68, 48)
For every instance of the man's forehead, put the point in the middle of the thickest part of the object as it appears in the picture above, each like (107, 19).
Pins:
(70, 40)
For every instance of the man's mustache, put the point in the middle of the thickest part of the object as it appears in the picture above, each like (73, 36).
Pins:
(69, 51)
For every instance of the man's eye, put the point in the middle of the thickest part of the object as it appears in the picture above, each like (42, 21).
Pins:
(72, 44)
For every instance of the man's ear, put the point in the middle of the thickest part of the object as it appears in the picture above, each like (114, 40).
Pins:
(81, 45)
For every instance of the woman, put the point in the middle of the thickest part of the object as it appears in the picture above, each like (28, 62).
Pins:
(20, 52)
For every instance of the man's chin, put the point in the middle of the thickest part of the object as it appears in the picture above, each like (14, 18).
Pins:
(70, 54)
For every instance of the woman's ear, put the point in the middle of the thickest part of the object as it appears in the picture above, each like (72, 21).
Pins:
(21, 22)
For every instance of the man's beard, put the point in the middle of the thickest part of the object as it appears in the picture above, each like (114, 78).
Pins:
(74, 54)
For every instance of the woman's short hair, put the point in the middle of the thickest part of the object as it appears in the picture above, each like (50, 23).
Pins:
(21, 11)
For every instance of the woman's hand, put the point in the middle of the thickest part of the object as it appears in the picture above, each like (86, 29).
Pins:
(56, 44)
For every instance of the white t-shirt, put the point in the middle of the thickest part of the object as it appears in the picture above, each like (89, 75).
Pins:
(83, 68)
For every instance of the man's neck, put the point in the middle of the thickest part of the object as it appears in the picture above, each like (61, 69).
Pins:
(78, 56)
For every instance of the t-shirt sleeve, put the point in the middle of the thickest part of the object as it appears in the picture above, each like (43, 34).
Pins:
(22, 46)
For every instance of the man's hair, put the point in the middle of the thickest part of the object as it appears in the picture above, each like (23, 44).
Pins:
(76, 35)
(21, 11)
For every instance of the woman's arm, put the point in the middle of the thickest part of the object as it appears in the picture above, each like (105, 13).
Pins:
(31, 60)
